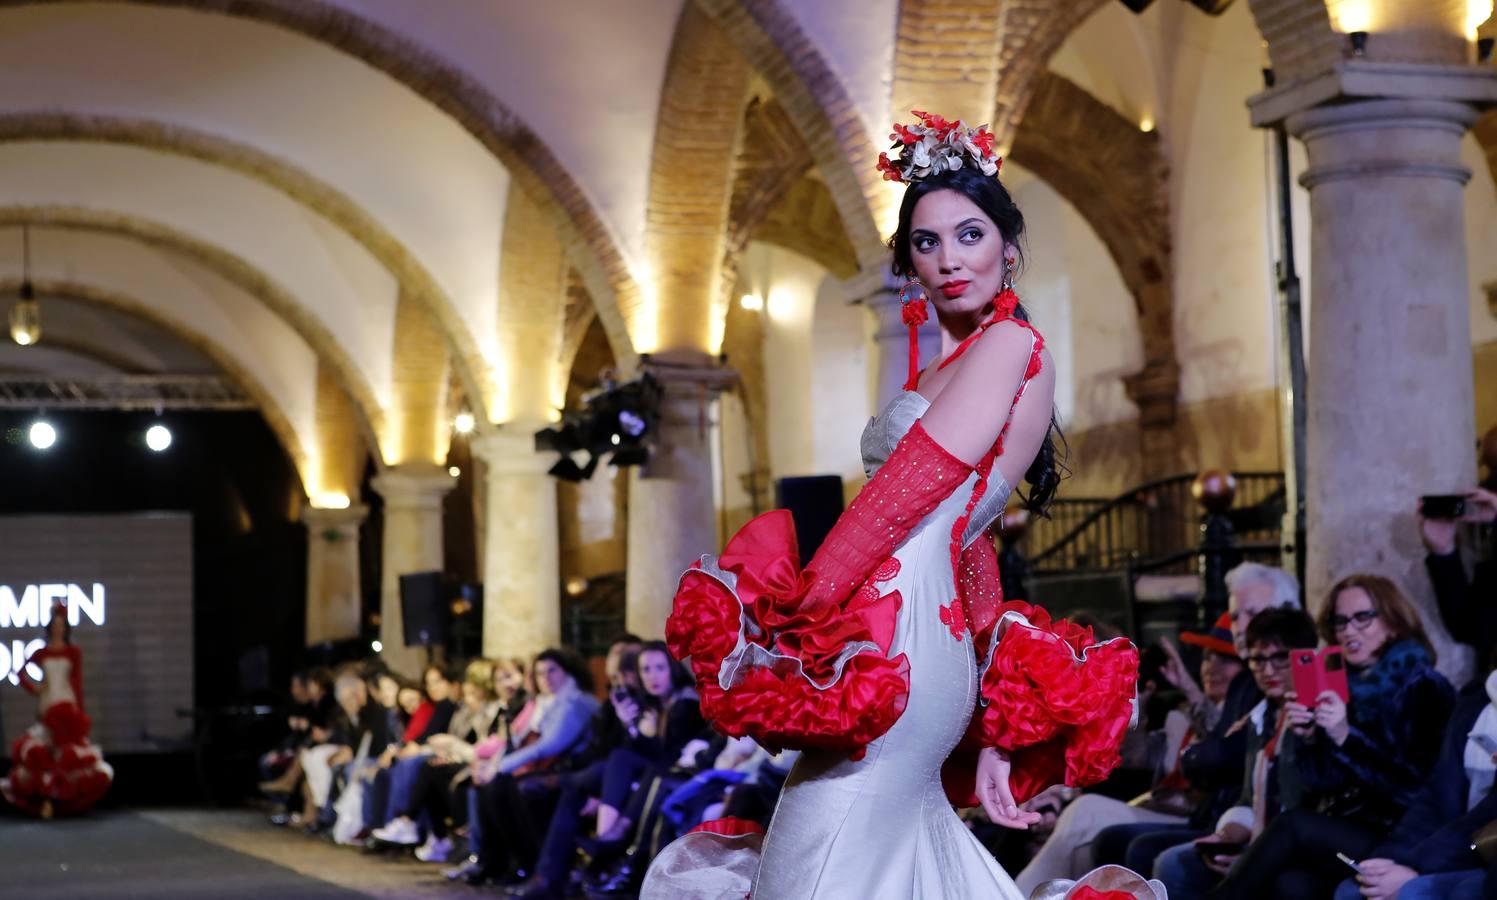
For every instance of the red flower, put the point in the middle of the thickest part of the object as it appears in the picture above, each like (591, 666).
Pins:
(891, 172)
(955, 618)
(984, 140)
(904, 134)
(914, 313)
(938, 124)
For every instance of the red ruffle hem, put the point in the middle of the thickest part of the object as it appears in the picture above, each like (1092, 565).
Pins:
(790, 678)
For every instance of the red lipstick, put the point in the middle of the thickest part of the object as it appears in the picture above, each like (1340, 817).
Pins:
(954, 289)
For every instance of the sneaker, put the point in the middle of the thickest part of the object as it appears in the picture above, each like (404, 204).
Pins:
(400, 831)
(435, 850)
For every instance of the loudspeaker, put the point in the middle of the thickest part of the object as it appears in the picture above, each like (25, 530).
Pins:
(815, 502)
(423, 609)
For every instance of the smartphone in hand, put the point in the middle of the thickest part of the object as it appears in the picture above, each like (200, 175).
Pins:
(1442, 506)
(1351, 863)
(1316, 672)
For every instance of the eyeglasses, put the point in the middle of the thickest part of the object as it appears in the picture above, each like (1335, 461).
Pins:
(1278, 660)
(1362, 620)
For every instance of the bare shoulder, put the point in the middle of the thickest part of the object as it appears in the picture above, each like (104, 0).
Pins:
(1005, 345)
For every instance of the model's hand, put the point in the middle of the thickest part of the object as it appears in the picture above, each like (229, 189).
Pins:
(994, 793)
(1382, 879)
(1330, 715)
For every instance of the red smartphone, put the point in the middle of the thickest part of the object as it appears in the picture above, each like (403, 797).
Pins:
(1316, 672)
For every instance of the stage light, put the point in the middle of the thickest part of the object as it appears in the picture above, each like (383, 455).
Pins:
(376, 646)
(751, 302)
(1146, 125)
(42, 435)
(463, 423)
(454, 471)
(158, 437)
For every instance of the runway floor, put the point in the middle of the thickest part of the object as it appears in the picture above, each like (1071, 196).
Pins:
(228, 854)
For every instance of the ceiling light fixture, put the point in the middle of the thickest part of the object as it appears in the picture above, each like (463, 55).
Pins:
(26, 315)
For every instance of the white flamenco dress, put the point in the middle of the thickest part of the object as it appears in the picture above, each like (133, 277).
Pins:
(890, 698)
(57, 768)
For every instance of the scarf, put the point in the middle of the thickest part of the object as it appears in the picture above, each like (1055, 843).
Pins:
(1374, 688)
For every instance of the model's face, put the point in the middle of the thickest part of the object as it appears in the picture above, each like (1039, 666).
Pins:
(57, 629)
(1270, 666)
(1244, 603)
(957, 251)
(1217, 672)
(655, 673)
(1360, 631)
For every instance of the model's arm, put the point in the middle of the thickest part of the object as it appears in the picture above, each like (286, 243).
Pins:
(969, 414)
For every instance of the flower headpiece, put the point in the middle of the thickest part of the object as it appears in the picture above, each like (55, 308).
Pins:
(934, 145)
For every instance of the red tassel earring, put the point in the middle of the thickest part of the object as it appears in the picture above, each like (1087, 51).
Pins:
(912, 310)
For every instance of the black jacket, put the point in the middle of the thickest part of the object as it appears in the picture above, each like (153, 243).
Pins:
(1215, 763)
(1469, 607)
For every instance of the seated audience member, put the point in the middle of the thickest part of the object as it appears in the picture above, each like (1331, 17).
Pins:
(516, 783)
(1271, 782)
(1214, 763)
(1067, 852)
(443, 757)
(576, 787)
(1362, 761)
(1467, 605)
(430, 713)
(639, 775)
(338, 737)
(1429, 855)
(279, 761)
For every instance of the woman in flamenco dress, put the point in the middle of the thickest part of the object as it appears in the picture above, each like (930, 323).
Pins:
(892, 659)
(56, 769)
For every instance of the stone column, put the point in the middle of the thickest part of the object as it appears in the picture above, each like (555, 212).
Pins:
(879, 292)
(334, 598)
(672, 521)
(412, 543)
(521, 552)
(1390, 403)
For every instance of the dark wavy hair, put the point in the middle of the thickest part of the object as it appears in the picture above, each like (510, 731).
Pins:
(1045, 472)
(570, 663)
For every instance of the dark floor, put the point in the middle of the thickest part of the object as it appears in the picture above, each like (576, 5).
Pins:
(195, 853)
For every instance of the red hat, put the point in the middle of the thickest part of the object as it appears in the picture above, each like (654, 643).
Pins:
(1218, 639)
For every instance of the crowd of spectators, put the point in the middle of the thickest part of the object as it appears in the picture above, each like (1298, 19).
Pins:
(527, 776)
(518, 772)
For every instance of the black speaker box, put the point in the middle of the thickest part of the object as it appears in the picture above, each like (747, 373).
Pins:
(423, 609)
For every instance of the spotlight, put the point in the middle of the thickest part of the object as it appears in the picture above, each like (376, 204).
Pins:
(377, 647)
(1358, 43)
(751, 302)
(158, 437)
(42, 435)
(454, 471)
(463, 422)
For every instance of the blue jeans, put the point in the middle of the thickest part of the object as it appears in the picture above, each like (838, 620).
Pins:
(1183, 873)
(1136, 844)
(1464, 885)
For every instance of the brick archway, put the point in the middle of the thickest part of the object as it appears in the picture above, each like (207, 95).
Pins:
(531, 164)
(1116, 178)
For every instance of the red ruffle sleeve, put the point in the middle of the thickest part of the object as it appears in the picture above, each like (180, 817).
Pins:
(768, 668)
(1054, 698)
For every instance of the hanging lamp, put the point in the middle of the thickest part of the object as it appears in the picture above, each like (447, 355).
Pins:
(26, 315)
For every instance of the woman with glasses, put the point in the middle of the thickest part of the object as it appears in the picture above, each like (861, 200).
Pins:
(1361, 761)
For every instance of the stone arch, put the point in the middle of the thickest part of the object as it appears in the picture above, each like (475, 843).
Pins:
(301, 186)
(691, 171)
(532, 165)
(1116, 177)
(236, 271)
(814, 99)
(274, 417)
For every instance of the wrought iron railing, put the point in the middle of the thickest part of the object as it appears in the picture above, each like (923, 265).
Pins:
(1154, 527)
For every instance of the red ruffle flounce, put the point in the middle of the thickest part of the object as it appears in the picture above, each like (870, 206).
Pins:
(57, 764)
(767, 667)
(1055, 699)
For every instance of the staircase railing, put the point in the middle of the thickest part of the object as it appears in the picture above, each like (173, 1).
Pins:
(1154, 527)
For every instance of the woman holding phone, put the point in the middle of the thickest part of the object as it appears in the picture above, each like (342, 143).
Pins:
(1362, 760)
